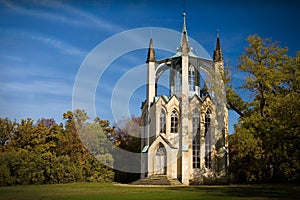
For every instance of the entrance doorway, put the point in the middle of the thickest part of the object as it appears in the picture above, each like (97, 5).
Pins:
(161, 160)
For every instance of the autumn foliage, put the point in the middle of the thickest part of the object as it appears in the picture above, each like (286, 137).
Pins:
(46, 152)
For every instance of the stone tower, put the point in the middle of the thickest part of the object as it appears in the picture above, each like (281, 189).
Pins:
(185, 132)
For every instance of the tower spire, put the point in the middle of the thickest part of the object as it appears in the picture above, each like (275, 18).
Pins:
(151, 52)
(218, 51)
(184, 44)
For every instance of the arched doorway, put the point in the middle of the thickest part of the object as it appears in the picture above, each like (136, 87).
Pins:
(161, 160)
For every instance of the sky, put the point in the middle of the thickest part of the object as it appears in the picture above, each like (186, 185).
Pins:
(46, 44)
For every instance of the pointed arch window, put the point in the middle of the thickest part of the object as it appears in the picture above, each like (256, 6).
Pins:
(178, 81)
(174, 121)
(207, 139)
(192, 78)
(162, 121)
(196, 138)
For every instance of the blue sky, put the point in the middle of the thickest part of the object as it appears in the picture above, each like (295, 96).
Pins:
(44, 43)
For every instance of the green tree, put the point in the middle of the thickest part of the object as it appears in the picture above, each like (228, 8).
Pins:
(7, 129)
(233, 100)
(46, 152)
(78, 130)
(95, 140)
(271, 120)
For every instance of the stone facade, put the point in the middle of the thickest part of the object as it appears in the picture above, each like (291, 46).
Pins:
(185, 132)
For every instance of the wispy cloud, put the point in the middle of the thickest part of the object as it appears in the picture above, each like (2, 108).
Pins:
(49, 41)
(10, 57)
(58, 44)
(41, 14)
(67, 14)
(96, 22)
(13, 109)
(51, 87)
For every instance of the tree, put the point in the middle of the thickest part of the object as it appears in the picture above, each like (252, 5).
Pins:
(47, 152)
(46, 122)
(262, 61)
(271, 121)
(126, 136)
(7, 129)
(96, 142)
(78, 130)
(234, 101)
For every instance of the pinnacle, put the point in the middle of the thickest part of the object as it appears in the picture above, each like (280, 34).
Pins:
(151, 52)
(184, 37)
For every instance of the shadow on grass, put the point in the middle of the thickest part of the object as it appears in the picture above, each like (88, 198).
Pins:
(251, 191)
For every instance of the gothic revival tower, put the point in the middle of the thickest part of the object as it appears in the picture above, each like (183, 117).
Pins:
(185, 132)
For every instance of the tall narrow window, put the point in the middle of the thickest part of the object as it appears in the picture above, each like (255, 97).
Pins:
(191, 78)
(178, 81)
(162, 121)
(174, 121)
(196, 139)
(207, 139)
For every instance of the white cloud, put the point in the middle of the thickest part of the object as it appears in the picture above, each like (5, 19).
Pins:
(15, 71)
(58, 44)
(50, 41)
(67, 14)
(53, 87)
(50, 109)
(94, 21)
(11, 57)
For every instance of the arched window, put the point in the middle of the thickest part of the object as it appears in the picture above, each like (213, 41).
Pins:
(174, 121)
(178, 81)
(196, 138)
(162, 121)
(207, 139)
(192, 78)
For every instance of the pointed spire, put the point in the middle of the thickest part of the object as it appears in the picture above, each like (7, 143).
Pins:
(184, 43)
(218, 51)
(151, 52)
(184, 31)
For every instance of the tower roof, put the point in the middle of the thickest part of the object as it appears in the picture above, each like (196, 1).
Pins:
(218, 51)
(151, 52)
(184, 43)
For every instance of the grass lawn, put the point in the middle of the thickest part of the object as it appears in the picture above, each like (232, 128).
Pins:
(91, 191)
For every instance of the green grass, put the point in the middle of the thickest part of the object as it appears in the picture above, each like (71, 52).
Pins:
(100, 191)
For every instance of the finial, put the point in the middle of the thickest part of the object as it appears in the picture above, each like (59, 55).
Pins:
(184, 18)
(184, 22)
(218, 32)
